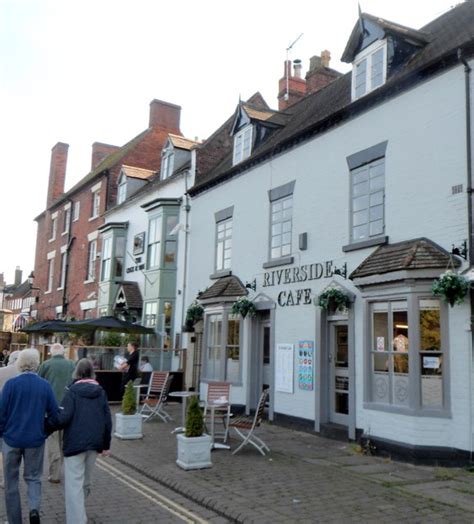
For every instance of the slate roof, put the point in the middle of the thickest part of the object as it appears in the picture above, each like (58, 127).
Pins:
(225, 287)
(138, 172)
(330, 106)
(133, 295)
(420, 253)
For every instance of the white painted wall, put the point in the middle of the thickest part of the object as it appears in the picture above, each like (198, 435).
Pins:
(425, 157)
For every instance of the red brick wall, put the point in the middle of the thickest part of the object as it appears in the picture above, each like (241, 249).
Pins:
(57, 172)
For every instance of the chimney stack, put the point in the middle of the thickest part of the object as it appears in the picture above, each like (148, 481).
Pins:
(57, 172)
(18, 274)
(319, 74)
(99, 152)
(164, 114)
(291, 89)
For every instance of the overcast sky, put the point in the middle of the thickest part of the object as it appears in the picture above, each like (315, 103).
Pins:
(85, 71)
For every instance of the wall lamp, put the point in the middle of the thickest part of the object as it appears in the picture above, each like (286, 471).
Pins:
(460, 251)
(252, 285)
(31, 279)
(341, 271)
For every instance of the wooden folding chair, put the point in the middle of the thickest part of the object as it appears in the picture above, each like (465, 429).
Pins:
(245, 427)
(219, 392)
(156, 397)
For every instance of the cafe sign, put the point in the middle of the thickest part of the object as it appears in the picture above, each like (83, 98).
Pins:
(293, 275)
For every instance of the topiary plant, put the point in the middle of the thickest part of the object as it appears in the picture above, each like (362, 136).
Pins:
(129, 400)
(194, 419)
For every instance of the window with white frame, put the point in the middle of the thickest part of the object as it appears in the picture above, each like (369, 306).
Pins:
(122, 189)
(169, 257)
(223, 356)
(95, 209)
(150, 316)
(167, 162)
(106, 259)
(224, 244)
(54, 227)
(119, 256)
(281, 227)
(369, 69)
(50, 275)
(67, 220)
(62, 278)
(91, 258)
(401, 340)
(242, 144)
(154, 241)
(77, 210)
(368, 201)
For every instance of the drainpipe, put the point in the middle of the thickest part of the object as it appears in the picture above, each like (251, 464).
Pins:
(70, 240)
(467, 79)
(187, 209)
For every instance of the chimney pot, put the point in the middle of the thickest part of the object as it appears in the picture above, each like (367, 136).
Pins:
(297, 68)
(325, 58)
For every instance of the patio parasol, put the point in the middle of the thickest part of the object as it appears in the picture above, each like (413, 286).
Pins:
(109, 324)
(47, 326)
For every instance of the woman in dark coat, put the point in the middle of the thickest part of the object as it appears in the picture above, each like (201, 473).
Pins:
(85, 417)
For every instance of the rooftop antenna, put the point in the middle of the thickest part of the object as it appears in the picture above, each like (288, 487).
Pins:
(287, 72)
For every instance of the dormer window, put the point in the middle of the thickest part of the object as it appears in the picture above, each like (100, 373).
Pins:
(122, 189)
(242, 144)
(167, 162)
(370, 69)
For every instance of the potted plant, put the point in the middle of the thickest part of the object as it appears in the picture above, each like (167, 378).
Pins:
(194, 314)
(451, 287)
(194, 447)
(243, 306)
(128, 423)
(334, 299)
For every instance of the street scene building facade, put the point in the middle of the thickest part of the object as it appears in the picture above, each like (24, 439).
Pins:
(359, 185)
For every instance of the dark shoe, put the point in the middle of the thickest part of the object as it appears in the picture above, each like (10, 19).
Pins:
(54, 481)
(34, 517)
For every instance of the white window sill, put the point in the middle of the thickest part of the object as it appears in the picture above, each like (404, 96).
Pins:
(64, 233)
(59, 289)
(89, 281)
(93, 218)
(47, 292)
(52, 239)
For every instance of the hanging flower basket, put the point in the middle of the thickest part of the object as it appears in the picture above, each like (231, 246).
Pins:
(333, 299)
(243, 306)
(451, 287)
(194, 314)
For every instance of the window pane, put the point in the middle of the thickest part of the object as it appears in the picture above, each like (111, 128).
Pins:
(360, 203)
(276, 229)
(380, 362)
(380, 326)
(360, 232)
(170, 253)
(376, 213)
(431, 380)
(430, 325)
(360, 217)
(376, 198)
(360, 189)
(376, 228)
(171, 223)
(377, 183)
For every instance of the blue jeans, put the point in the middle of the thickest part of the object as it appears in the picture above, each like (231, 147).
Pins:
(32, 473)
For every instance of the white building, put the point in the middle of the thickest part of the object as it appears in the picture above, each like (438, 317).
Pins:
(368, 179)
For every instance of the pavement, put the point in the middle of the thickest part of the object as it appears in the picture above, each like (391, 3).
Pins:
(304, 478)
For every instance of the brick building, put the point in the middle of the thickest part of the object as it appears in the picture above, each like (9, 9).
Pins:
(67, 243)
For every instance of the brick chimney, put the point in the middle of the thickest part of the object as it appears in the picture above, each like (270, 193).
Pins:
(57, 172)
(319, 74)
(18, 275)
(99, 152)
(291, 88)
(164, 114)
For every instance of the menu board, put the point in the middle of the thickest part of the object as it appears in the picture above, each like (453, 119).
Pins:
(284, 368)
(305, 364)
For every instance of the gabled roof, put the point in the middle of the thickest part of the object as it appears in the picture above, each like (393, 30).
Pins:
(182, 143)
(224, 287)
(137, 172)
(332, 105)
(132, 294)
(403, 32)
(420, 253)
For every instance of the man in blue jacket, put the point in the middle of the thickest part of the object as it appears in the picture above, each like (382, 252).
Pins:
(25, 401)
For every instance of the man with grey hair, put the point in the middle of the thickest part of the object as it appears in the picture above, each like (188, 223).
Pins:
(9, 371)
(25, 401)
(58, 372)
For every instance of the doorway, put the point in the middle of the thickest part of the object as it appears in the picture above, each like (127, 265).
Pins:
(260, 359)
(338, 373)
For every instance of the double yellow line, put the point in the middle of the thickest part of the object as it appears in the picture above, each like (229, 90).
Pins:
(151, 494)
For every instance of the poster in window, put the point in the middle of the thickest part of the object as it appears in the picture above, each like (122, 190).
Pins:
(284, 368)
(139, 244)
(305, 364)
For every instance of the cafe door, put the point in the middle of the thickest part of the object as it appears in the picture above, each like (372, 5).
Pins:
(338, 373)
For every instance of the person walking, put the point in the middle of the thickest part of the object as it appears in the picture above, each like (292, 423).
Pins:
(85, 417)
(9, 371)
(25, 401)
(58, 372)
(130, 366)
